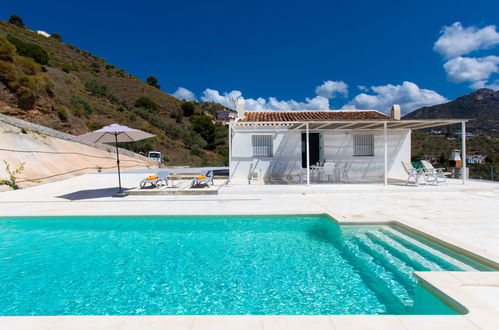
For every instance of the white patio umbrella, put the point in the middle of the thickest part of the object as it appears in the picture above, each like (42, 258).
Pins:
(114, 133)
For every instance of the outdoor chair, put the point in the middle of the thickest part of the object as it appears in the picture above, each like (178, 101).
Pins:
(277, 170)
(342, 172)
(432, 174)
(330, 171)
(203, 180)
(155, 181)
(413, 174)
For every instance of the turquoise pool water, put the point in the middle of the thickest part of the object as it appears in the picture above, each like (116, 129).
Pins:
(231, 265)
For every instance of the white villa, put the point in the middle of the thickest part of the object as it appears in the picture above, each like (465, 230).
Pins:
(329, 146)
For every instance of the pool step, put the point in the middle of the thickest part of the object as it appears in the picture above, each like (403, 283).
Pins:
(433, 254)
(411, 257)
(402, 272)
(381, 281)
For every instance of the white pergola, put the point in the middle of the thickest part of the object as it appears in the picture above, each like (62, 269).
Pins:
(385, 125)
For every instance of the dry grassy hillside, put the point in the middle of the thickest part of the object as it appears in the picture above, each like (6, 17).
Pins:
(75, 92)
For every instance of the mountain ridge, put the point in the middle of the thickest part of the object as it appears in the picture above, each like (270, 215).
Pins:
(481, 107)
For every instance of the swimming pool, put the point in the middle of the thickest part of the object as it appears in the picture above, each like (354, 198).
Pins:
(215, 265)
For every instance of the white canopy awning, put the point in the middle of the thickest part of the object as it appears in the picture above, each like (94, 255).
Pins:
(352, 124)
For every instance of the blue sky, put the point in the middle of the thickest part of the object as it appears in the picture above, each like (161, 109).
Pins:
(288, 54)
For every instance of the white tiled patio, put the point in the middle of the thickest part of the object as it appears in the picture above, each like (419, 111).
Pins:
(464, 215)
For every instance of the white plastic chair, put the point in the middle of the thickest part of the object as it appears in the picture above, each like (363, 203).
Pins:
(330, 171)
(432, 174)
(413, 174)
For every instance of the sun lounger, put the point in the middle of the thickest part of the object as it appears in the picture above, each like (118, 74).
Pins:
(413, 174)
(155, 181)
(432, 174)
(203, 180)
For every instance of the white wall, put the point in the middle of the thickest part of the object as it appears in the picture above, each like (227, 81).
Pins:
(338, 147)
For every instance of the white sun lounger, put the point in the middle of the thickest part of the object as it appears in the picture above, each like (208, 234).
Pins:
(161, 180)
(204, 181)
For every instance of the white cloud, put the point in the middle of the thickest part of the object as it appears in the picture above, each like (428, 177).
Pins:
(330, 89)
(184, 94)
(408, 95)
(363, 88)
(456, 40)
(472, 69)
(316, 103)
(227, 99)
(483, 84)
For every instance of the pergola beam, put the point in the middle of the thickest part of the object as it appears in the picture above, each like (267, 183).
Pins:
(349, 124)
(463, 146)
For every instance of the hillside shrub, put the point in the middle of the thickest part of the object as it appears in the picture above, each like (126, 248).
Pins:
(187, 135)
(205, 127)
(7, 50)
(197, 150)
(77, 111)
(28, 65)
(80, 102)
(95, 67)
(27, 88)
(8, 72)
(56, 37)
(109, 66)
(188, 108)
(92, 125)
(21, 75)
(138, 146)
(66, 69)
(16, 20)
(223, 152)
(180, 116)
(63, 113)
(29, 49)
(98, 89)
(146, 103)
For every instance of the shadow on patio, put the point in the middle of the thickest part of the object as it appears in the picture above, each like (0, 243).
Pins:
(90, 194)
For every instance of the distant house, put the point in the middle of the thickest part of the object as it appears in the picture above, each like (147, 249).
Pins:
(43, 33)
(468, 135)
(436, 131)
(475, 159)
(226, 116)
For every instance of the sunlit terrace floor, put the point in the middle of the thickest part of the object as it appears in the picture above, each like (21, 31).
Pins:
(464, 215)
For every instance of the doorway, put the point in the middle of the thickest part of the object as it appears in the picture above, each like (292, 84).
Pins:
(315, 149)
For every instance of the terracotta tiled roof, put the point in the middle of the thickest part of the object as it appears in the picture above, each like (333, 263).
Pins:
(272, 116)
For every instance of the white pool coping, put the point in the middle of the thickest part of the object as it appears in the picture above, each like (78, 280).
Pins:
(466, 218)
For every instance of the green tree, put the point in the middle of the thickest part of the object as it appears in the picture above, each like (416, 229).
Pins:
(205, 127)
(16, 20)
(146, 103)
(188, 108)
(56, 37)
(153, 81)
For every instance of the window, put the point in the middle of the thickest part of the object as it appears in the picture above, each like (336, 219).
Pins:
(262, 145)
(363, 145)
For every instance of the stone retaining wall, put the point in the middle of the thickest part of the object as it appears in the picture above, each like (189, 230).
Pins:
(61, 135)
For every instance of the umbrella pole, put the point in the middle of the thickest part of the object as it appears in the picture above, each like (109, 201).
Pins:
(120, 192)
